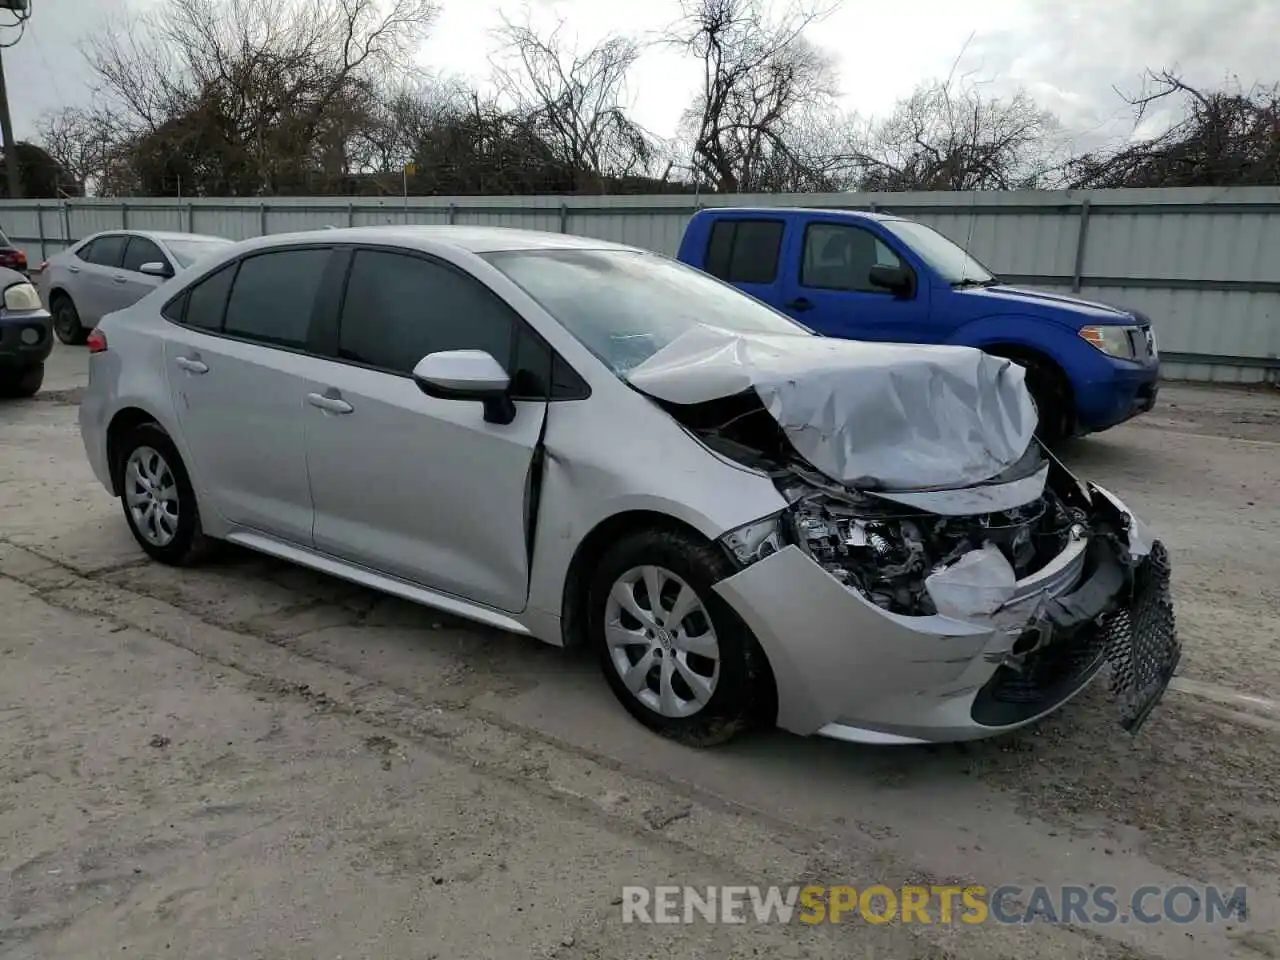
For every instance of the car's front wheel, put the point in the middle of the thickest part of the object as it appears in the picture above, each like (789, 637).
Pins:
(22, 381)
(66, 321)
(158, 499)
(674, 653)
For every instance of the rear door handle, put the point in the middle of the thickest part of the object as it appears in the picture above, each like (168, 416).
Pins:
(800, 303)
(119, 278)
(329, 404)
(190, 365)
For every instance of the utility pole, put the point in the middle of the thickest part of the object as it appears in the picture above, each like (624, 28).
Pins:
(21, 10)
(6, 131)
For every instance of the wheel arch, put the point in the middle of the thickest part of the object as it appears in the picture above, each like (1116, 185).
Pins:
(123, 422)
(1027, 355)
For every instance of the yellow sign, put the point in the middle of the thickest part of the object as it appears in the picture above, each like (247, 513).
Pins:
(410, 169)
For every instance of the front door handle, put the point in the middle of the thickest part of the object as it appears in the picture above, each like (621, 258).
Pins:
(800, 303)
(72, 269)
(329, 404)
(191, 365)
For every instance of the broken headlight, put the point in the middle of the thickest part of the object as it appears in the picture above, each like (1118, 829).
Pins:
(756, 540)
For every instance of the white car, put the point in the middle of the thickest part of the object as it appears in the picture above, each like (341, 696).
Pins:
(110, 270)
(588, 443)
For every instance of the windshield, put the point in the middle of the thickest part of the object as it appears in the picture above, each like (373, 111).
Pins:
(949, 260)
(625, 306)
(187, 252)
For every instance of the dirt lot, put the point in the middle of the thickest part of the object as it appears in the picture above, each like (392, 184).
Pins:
(251, 760)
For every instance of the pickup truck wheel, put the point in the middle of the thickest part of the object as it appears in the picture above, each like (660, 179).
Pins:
(22, 381)
(1052, 399)
(66, 321)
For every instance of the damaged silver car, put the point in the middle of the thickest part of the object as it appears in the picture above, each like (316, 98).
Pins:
(587, 443)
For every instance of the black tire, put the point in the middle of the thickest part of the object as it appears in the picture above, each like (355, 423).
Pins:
(738, 698)
(1052, 398)
(66, 321)
(22, 382)
(188, 544)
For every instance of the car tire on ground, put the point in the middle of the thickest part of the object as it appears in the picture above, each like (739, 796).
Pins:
(1052, 399)
(693, 672)
(22, 381)
(66, 321)
(157, 497)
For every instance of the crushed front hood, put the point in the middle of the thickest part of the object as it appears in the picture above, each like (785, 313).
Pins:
(869, 415)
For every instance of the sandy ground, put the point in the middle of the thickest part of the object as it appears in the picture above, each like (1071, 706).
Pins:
(251, 760)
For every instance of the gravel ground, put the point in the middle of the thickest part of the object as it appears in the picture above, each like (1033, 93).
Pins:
(252, 760)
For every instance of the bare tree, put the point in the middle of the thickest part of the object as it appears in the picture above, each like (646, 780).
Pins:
(574, 99)
(252, 96)
(80, 140)
(950, 135)
(1221, 138)
(758, 75)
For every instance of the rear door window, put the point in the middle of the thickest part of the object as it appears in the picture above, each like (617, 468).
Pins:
(106, 251)
(745, 251)
(274, 295)
(204, 304)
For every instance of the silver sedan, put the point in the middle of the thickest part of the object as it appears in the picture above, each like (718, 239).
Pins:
(110, 270)
(591, 444)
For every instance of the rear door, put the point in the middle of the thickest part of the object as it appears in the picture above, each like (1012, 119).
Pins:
(417, 487)
(747, 252)
(829, 286)
(240, 363)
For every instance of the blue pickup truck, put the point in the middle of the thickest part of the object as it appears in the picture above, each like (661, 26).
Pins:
(873, 276)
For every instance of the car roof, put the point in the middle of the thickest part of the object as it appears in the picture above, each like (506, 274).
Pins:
(173, 235)
(475, 239)
(756, 211)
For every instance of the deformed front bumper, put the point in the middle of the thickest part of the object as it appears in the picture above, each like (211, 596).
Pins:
(846, 668)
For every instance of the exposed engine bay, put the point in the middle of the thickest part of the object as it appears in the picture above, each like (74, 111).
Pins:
(885, 550)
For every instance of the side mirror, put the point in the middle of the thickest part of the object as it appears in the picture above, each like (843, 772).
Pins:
(467, 375)
(894, 279)
(156, 269)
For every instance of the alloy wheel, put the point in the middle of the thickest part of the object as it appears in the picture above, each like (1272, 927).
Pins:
(661, 641)
(151, 494)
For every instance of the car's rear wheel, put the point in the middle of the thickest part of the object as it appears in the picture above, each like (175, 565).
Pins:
(158, 499)
(674, 653)
(66, 321)
(22, 381)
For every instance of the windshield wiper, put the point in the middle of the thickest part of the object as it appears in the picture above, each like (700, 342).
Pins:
(970, 282)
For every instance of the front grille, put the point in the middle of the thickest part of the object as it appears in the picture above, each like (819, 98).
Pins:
(1142, 642)
(1061, 663)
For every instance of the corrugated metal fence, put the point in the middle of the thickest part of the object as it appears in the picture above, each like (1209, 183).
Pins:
(1203, 263)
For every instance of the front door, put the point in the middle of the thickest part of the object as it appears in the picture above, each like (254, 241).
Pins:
(416, 487)
(237, 367)
(831, 292)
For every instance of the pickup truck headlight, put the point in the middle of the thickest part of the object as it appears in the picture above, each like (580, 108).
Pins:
(1114, 341)
(21, 296)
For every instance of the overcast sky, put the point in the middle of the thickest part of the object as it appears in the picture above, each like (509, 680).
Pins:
(1068, 55)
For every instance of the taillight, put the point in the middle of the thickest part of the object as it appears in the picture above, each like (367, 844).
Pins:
(97, 342)
(21, 260)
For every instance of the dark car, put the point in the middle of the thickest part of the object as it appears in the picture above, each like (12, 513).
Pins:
(11, 257)
(26, 335)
